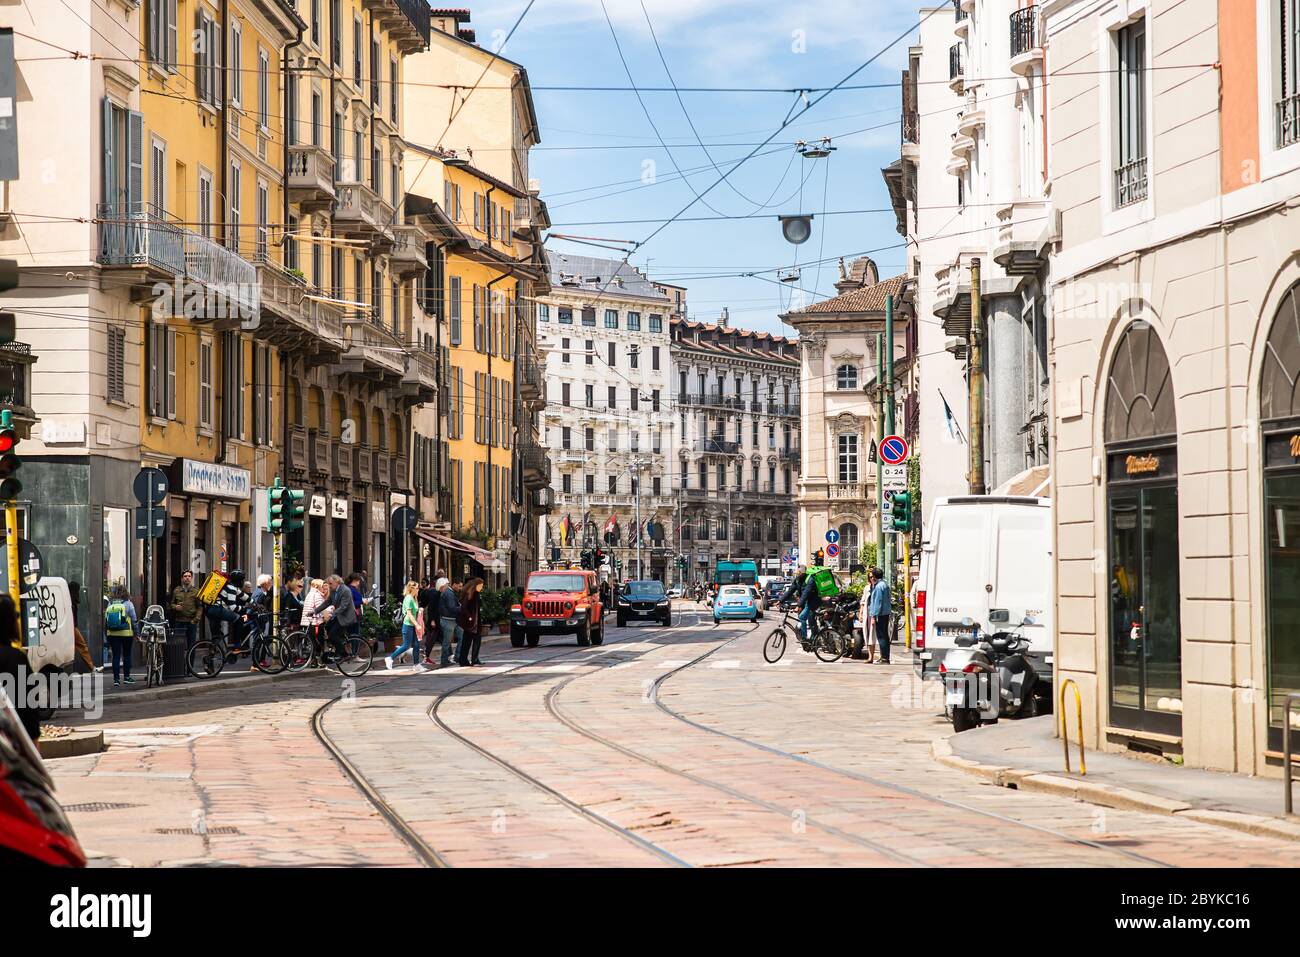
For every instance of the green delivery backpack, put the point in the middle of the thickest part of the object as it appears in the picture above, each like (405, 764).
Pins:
(824, 578)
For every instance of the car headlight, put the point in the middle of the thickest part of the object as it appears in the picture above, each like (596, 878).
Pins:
(665, 602)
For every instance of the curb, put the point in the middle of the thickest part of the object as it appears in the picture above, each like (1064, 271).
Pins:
(195, 686)
(1106, 795)
(71, 745)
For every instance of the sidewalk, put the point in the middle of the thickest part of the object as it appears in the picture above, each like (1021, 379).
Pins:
(1027, 755)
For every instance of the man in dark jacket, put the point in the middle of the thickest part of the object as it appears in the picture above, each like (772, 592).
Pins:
(186, 609)
(340, 613)
(448, 620)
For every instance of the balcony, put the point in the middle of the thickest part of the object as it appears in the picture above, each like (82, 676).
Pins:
(371, 351)
(790, 454)
(543, 500)
(318, 452)
(1026, 46)
(715, 400)
(783, 408)
(144, 243)
(407, 22)
(362, 462)
(1025, 230)
(295, 450)
(529, 377)
(407, 256)
(359, 213)
(420, 381)
(536, 465)
(848, 491)
(381, 469)
(1131, 182)
(960, 19)
(295, 318)
(311, 177)
(910, 123)
(956, 69)
(1287, 112)
(16, 362)
(716, 446)
(341, 461)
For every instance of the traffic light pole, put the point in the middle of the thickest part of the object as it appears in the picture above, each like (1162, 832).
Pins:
(9, 463)
(880, 435)
(11, 552)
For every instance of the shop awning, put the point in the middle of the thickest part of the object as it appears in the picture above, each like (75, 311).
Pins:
(1035, 481)
(480, 555)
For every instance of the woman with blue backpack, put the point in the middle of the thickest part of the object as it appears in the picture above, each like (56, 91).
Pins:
(121, 626)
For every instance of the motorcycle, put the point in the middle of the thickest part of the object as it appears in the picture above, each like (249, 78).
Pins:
(989, 677)
(33, 827)
(835, 622)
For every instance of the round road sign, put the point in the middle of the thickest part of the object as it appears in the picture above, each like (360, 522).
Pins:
(893, 450)
(832, 536)
(832, 550)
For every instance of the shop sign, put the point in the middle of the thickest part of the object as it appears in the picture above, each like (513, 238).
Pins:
(217, 481)
(1142, 464)
(338, 508)
(377, 516)
(317, 506)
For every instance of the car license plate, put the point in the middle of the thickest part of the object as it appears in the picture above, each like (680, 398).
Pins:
(957, 696)
(954, 631)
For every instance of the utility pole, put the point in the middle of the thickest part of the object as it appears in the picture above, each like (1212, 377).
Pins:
(975, 363)
(887, 557)
(880, 434)
(637, 465)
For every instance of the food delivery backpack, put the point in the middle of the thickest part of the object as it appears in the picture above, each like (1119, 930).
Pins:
(825, 581)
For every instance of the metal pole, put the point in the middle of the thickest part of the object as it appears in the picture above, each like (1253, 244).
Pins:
(11, 552)
(639, 530)
(975, 351)
(888, 556)
(907, 608)
(880, 434)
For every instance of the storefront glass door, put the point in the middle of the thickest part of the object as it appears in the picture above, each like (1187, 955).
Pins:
(1145, 638)
(1282, 526)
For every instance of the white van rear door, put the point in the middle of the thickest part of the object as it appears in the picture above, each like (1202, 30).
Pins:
(958, 573)
(1022, 571)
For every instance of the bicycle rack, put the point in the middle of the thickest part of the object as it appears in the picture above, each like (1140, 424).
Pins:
(1065, 734)
(1292, 698)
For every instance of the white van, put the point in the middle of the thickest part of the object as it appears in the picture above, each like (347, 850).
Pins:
(987, 558)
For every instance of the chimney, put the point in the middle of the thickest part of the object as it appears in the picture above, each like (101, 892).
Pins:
(448, 20)
(725, 318)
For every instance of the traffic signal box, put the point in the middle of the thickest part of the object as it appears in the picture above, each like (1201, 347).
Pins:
(10, 487)
(902, 515)
(285, 507)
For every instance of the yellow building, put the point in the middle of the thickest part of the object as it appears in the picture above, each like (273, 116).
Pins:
(470, 161)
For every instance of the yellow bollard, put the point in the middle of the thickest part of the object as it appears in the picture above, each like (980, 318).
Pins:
(1065, 735)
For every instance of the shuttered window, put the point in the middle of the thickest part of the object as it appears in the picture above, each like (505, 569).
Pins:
(454, 294)
(160, 33)
(205, 383)
(116, 386)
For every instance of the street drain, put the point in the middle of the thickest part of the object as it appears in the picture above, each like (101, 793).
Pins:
(97, 806)
(190, 830)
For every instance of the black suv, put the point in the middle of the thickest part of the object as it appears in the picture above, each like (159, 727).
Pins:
(643, 601)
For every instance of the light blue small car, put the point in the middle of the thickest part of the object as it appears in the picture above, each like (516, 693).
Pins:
(735, 601)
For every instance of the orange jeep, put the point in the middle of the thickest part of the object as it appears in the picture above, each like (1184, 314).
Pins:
(559, 602)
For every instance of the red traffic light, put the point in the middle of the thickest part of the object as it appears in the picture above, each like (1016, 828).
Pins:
(8, 441)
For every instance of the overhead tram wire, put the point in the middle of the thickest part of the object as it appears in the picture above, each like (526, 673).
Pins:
(644, 109)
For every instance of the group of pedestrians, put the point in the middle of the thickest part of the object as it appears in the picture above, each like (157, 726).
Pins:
(442, 611)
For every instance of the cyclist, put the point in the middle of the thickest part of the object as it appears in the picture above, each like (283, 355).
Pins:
(231, 609)
(810, 600)
(340, 614)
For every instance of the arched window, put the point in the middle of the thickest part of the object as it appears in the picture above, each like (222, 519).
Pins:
(846, 376)
(1278, 396)
(1139, 392)
(849, 542)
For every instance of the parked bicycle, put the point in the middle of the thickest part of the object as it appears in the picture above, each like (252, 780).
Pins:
(153, 638)
(268, 654)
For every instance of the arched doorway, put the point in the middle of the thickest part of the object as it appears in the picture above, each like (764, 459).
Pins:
(1280, 422)
(1142, 496)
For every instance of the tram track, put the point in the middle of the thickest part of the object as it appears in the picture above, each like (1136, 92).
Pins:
(658, 683)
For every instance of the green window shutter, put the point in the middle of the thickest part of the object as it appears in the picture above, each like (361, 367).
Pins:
(135, 161)
(110, 160)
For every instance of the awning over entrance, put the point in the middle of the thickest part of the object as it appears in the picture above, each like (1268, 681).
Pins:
(1035, 481)
(480, 555)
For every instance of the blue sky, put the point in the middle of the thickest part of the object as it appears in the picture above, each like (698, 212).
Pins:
(732, 43)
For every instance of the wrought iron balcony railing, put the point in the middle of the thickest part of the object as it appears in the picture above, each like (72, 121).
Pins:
(1024, 30)
(1131, 182)
(954, 62)
(1288, 120)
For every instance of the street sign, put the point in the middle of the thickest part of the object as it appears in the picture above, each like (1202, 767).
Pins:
(150, 486)
(29, 567)
(794, 554)
(887, 504)
(832, 536)
(893, 450)
(404, 518)
(150, 522)
(894, 477)
(832, 550)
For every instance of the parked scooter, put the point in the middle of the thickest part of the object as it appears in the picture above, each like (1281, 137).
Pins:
(988, 677)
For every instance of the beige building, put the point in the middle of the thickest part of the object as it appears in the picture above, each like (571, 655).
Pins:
(839, 420)
(1175, 166)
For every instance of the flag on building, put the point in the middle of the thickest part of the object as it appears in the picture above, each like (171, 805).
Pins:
(611, 530)
(566, 530)
(954, 430)
(871, 456)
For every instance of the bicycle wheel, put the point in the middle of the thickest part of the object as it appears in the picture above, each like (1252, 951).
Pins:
(298, 650)
(206, 659)
(774, 647)
(827, 647)
(357, 657)
(269, 655)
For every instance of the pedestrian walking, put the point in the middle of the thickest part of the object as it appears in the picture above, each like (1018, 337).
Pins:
(448, 620)
(121, 625)
(879, 608)
(410, 628)
(471, 638)
(186, 609)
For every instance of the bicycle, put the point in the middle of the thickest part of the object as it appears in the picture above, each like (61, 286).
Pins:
(823, 642)
(153, 636)
(208, 657)
(305, 647)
